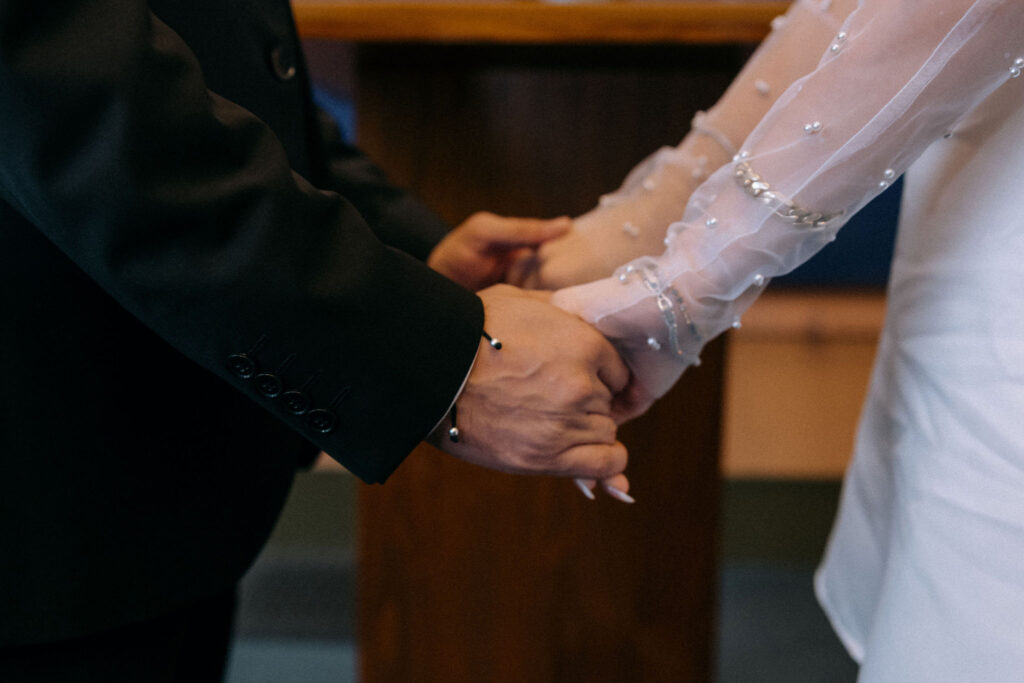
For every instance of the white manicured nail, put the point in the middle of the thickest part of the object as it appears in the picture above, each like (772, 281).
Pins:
(619, 494)
(584, 489)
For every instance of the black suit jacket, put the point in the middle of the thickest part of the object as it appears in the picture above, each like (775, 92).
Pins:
(182, 310)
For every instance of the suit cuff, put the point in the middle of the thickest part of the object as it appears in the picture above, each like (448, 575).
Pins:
(455, 400)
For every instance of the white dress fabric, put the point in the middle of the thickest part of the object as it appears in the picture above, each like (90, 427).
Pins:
(924, 575)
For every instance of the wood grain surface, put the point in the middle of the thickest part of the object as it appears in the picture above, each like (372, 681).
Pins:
(522, 21)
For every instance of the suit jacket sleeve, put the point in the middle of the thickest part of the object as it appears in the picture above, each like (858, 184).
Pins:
(397, 217)
(183, 207)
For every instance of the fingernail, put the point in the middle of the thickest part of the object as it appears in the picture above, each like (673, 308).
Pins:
(584, 489)
(619, 494)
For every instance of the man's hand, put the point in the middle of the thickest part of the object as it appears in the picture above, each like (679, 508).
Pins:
(478, 252)
(542, 404)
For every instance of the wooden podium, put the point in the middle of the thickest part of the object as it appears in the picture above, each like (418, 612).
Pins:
(469, 576)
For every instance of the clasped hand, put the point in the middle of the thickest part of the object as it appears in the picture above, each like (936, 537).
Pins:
(548, 402)
(542, 404)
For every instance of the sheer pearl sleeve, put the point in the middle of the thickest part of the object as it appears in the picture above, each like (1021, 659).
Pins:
(894, 78)
(630, 222)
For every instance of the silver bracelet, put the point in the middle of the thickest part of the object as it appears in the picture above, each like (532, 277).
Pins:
(454, 433)
(698, 126)
(668, 300)
(756, 187)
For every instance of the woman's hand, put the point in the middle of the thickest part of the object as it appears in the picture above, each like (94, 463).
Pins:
(562, 262)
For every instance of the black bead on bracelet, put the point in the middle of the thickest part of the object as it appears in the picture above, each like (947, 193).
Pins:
(491, 340)
(453, 431)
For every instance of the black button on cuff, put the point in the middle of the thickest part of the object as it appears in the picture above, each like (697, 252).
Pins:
(323, 421)
(296, 402)
(242, 365)
(269, 384)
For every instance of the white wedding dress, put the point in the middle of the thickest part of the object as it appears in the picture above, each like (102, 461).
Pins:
(924, 574)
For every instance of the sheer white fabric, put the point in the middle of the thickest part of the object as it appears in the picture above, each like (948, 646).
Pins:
(892, 78)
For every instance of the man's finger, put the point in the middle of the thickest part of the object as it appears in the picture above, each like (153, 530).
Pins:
(593, 428)
(610, 367)
(506, 232)
(522, 271)
(631, 402)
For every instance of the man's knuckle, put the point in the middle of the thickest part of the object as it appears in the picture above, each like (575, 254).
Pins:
(608, 431)
(572, 386)
(553, 434)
